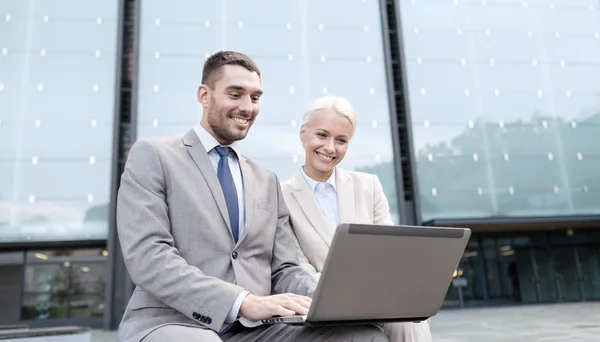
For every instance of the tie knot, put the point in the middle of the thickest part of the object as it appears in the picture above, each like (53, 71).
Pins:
(223, 151)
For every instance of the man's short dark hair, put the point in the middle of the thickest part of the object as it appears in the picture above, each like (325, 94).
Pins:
(213, 64)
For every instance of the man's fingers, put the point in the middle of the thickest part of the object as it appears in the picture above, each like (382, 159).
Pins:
(305, 303)
(281, 311)
(308, 299)
(298, 308)
(304, 298)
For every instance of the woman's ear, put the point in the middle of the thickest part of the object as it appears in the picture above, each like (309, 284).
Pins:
(303, 135)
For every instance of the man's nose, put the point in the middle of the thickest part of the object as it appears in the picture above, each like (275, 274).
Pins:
(246, 105)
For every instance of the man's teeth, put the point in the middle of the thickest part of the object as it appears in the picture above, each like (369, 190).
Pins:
(240, 120)
(324, 158)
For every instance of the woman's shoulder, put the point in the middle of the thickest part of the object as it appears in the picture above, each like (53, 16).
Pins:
(290, 183)
(357, 175)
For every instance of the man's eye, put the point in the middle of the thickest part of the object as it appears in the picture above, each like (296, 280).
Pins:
(234, 95)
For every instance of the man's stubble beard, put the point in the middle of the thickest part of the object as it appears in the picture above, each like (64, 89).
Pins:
(219, 122)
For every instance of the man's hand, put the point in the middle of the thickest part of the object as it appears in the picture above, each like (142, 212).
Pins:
(256, 308)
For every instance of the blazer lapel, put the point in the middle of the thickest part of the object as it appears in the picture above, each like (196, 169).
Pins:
(248, 180)
(345, 195)
(310, 207)
(200, 157)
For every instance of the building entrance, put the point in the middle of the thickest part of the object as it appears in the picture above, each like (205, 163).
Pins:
(527, 268)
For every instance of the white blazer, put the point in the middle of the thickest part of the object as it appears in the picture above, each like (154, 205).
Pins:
(360, 200)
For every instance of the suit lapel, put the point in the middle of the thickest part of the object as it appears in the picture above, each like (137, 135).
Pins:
(248, 181)
(200, 157)
(345, 195)
(310, 207)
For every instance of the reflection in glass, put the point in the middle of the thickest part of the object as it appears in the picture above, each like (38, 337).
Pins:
(43, 306)
(566, 275)
(90, 305)
(504, 106)
(88, 278)
(589, 258)
(56, 118)
(303, 53)
(64, 284)
(45, 292)
(534, 267)
(46, 278)
(86, 294)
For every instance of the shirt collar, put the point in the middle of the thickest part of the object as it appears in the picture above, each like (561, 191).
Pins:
(313, 183)
(209, 142)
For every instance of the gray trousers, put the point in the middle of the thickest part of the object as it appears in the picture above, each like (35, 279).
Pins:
(275, 332)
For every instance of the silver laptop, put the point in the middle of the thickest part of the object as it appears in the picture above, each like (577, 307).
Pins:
(378, 274)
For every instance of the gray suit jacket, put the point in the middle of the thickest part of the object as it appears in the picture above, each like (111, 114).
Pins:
(177, 244)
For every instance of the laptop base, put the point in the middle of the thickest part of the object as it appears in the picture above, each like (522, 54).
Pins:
(301, 320)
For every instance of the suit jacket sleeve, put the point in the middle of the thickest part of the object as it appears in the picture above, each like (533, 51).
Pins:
(150, 254)
(287, 274)
(381, 208)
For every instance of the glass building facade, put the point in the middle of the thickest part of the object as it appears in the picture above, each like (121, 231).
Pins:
(504, 106)
(296, 44)
(57, 109)
(472, 113)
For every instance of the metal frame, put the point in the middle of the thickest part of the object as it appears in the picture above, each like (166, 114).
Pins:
(135, 73)
(519, 219)
(416, 205)
(393, 110)
(111, 240)
(121, 286)
(410, 211)
(68, 244)
(520, 224)
(128, 283)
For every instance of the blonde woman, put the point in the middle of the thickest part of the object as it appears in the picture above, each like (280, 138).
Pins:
(321, 195)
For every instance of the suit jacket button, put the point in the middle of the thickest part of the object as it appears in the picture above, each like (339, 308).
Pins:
(208, 320)
(203, 319)
(234, 255)
(195, 315)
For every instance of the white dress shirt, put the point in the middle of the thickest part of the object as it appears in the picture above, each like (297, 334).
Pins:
(326, 196)
(209, 143)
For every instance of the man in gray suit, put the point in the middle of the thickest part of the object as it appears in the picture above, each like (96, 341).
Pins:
(205, 232)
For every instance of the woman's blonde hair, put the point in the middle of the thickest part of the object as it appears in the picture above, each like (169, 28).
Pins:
(338, 104)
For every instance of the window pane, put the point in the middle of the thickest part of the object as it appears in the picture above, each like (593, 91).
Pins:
(88, 282)
(303, 52)
(88, 278)
(504, 106)
(57, 85)
(89, 305)
(47, 278)
(41, 306)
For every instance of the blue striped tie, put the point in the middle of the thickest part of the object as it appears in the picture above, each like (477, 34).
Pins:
(229, 190)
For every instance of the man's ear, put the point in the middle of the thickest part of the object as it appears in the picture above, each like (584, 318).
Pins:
(204, 95)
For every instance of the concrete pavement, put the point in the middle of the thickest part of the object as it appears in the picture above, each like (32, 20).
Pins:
(544, 322)
(575, 322)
